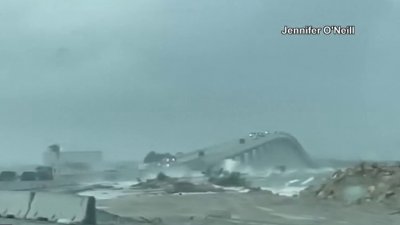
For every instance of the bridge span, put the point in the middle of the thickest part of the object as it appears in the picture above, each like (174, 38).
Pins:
(264, 151)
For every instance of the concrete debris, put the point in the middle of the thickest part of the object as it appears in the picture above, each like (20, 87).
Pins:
(162, 180)
(174, 185)
(366, 182)
(215, 183)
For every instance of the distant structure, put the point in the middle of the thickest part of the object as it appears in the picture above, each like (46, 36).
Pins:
(67, 162)
(259, 150)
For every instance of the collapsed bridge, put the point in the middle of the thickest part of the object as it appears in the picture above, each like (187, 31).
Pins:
(259, 150)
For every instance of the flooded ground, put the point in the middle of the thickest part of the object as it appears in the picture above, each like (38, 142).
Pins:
(239, 205)
(276, 202)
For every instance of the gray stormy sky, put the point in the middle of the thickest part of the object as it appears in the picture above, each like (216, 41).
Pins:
(127, 77)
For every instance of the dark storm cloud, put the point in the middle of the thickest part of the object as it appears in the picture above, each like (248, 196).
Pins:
(127, 77)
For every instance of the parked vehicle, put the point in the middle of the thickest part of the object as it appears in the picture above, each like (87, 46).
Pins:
(44, 173)
(28, 176)
(8, 176)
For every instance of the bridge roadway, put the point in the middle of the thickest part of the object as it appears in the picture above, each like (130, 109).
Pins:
(248, 150)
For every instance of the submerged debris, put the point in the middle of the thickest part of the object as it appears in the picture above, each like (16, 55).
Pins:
(174, 185)
(162, 177)
(161, 180)
(233, 179)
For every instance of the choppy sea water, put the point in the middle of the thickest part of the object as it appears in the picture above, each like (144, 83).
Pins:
(288, 183)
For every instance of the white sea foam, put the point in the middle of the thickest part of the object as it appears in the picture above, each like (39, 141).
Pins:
(103, 194)
(292, 182)
(64, 221)
(288, 183)
(285, 191)
(307, 181)
(230, 165)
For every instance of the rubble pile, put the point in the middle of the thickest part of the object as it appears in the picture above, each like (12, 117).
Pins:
(174, 185)
(363, 183)
(161, 181)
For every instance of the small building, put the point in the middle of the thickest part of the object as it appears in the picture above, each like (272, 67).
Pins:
(66, 162)
(88, 157)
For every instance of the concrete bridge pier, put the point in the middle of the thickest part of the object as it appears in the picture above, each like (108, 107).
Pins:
(242, 159)
(259, 153)
(250, 156)
(259, 156)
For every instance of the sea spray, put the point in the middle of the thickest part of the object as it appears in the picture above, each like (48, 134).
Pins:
(230, 165)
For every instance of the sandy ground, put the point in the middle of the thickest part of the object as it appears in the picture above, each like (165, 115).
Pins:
(253, 208)
(123, 205)
(249, 208)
